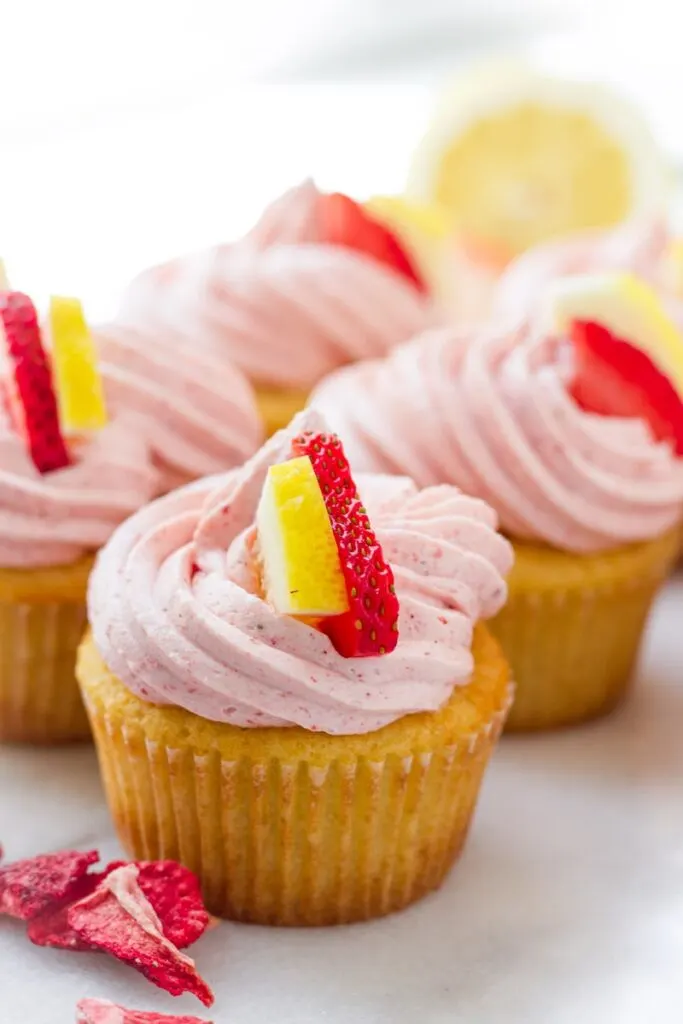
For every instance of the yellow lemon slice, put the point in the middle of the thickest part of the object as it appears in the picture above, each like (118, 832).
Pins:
(517, 158)
(295, 544)
(80, 393)
(627, 307)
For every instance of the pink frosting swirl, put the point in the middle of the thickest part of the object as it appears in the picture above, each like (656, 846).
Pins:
(284, 307)
(56, 518)
(175, 613)
(492, 414)
(636, 246)
(196, 410)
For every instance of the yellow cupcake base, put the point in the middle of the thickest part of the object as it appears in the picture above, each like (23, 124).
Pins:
(572, 627)
(42, 618)
(288, 827)
(277, 406)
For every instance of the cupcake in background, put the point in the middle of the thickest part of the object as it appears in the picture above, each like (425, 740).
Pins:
(197, 411)
(516, 159)
(645, 248)
(298, 699)
(317, 283)
(572, 430)
(68, 476)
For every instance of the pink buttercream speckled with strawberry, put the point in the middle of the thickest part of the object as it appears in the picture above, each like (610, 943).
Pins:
(492, 414)
(284, 307)
(196, 411)
(176, 616)
(53, 519)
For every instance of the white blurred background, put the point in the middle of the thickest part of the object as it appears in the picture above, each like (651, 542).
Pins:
(135, 130)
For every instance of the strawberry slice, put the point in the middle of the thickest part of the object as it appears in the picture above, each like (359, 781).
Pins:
(370, 626)
(344, 222)
(35, 407)
(614, 378)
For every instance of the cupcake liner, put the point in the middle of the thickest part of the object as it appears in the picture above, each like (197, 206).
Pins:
(572, 628)
(40, 630)
(277, 406)
(308, 840)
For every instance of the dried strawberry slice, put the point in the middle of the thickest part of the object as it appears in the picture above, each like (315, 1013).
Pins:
(117, 918)
(101, 1011)
(52, 928)
(30, 887)
(33, 382)
(172, 889)
(370, 626)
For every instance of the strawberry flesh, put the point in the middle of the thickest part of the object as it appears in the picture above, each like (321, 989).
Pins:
(344, 222)
(34, 389)
(370, 626)
(614, 378)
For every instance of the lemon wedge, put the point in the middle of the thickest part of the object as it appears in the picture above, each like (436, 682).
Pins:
(80, 392)
(296, 548)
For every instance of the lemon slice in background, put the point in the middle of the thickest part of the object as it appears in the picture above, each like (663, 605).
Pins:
(516, 158)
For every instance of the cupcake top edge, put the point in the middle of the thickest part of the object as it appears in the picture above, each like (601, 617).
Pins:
(186, 600)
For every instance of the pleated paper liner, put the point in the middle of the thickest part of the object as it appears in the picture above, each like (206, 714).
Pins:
(572, 628)
(42, 618)
(288, 827)
(277, 406)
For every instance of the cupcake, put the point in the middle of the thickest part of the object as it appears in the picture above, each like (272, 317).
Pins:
(196, 411)
(574, 435)
(317, 283)
(298, 708)
(62, 493)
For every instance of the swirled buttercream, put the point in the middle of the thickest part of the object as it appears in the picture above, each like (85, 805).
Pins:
(53, 519)
(492, 414)
(176, 613)
(282, 305)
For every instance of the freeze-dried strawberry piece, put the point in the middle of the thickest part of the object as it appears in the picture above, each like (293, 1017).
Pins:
(173, 890)
(119, 919)
(101, 1011)
(52, 928)
(29, 887)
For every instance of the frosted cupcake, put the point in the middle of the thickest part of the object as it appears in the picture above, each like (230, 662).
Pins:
(316, 284)
(61, 496)
(196, 411)
(299, 708)
(574, 436)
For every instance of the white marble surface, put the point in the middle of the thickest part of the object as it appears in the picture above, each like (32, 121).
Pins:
(567, 905)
